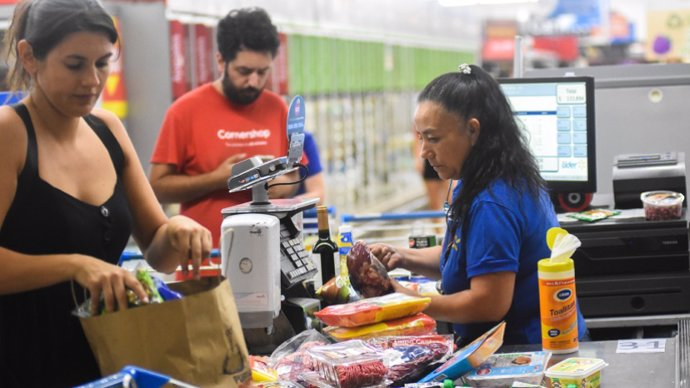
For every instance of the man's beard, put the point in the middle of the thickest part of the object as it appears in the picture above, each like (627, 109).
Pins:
(238, 96)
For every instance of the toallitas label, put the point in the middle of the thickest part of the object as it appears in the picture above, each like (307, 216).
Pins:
(557, 306)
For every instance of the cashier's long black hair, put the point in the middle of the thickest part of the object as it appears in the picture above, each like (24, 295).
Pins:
(46, 23)
(500, 152)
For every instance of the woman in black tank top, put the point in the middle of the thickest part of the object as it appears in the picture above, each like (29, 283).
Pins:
(72, 192)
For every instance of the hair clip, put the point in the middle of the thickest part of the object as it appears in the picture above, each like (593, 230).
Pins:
(465, 68)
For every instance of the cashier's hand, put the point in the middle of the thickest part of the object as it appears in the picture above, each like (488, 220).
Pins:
(191, 240)
(388, 255)
(106, 280)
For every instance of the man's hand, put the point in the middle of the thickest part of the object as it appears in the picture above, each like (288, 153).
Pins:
(224, 170)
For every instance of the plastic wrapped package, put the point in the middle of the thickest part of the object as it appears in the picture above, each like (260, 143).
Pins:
(408, 357)
(372, 310)
(349, 364)
(261, 371)
(418, 324)
(367, 275)
(291, 358)
(503, 369)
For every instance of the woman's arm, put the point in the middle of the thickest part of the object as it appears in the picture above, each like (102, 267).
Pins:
(425, 261)
(166, 243)
(487, 300)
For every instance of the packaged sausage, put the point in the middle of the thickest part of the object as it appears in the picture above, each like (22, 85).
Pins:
(418, 324)
(372, 310)
(349, 364)
(367, 275)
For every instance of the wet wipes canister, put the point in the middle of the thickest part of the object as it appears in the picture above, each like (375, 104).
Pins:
(557, 305)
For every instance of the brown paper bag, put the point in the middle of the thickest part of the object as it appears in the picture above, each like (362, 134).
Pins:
(197, 339)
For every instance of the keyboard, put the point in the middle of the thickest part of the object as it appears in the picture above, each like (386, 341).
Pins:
(295, 262)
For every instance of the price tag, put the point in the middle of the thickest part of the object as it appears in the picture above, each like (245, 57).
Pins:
(656, 345)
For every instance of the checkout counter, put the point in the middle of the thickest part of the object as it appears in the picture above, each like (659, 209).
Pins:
(631, 272)
(667, 368)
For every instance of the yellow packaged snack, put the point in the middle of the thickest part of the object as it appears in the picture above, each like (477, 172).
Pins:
(418, 324)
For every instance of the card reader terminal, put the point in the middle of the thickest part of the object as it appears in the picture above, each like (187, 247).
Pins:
(296, 264)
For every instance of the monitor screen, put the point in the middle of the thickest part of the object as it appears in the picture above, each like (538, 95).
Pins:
(558, 117)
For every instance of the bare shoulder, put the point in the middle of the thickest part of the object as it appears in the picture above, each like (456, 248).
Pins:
(108, 117)
(11, 126)
(113, 122)
(13, 138)
(118, 129)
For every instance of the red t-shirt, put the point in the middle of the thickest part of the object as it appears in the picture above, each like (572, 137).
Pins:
(202, 128)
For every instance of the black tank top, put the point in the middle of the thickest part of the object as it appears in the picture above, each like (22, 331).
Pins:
(41, 343)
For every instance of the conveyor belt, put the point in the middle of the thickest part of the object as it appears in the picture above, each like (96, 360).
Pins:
(684, 353)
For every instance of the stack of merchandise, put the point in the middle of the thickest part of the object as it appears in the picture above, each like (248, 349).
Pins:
(391, 314)
(381, 312)
(311, 360)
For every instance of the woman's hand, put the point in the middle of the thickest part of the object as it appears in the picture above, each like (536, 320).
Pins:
(191, 240)
(107, 280)
(388, 255)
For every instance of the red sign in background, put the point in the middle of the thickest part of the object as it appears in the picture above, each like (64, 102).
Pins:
(564, 46)
(178, 59)
(203, 54)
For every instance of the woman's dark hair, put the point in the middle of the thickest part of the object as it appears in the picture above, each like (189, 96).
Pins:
(46, 23)
(501, 150)
(246, 29)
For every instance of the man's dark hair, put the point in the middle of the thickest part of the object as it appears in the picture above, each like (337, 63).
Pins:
(246, 29)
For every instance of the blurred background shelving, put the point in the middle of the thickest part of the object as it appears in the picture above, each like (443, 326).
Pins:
(360, 64)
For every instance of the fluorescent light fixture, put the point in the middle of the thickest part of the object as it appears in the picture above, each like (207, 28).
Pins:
(465, 3)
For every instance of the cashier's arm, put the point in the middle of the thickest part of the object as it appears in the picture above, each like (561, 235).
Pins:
(487, 300)
(425, 261)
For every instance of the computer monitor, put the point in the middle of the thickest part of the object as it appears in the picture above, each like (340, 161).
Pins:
(558, 117)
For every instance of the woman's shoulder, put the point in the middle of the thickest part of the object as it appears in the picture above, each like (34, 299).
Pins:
(511, 194)
(112, 122)
(107, 117)
(13, 136)
(11, 124)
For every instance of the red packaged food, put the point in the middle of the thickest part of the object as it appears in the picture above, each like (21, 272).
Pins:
(372, 310)
(349, 364)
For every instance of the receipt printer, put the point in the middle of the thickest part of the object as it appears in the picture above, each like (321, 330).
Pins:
(634, 174)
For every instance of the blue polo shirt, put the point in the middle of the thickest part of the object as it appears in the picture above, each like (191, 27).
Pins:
(507, 232)
(314, 163)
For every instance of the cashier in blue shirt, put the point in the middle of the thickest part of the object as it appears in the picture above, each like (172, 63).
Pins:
(498, 217)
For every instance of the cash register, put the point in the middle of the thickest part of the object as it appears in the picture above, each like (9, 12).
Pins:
(628, 265)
